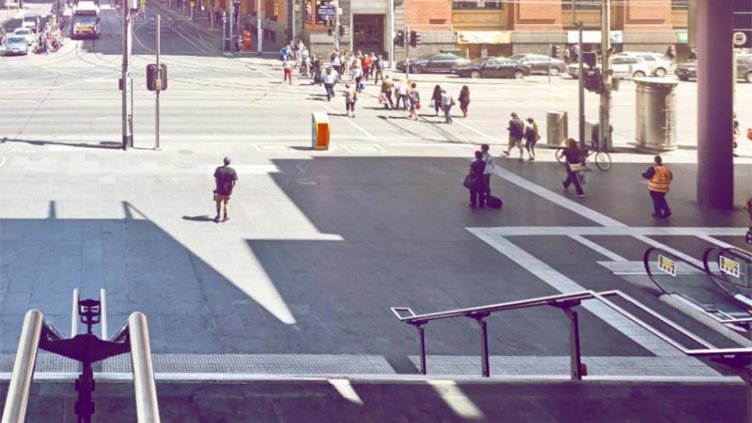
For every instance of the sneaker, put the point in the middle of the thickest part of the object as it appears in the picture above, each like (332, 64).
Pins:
(580, 195)
(216, 219)
(531, 159)
(506, 153)
(225, 219)
(564, 187)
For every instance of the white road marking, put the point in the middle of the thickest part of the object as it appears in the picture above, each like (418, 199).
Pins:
(598, 248)
(350, 121)
(563, 284)
(665, 247)
(613, 230)
(2, 161)
(549, 195)
(718, 242)
(482, 134)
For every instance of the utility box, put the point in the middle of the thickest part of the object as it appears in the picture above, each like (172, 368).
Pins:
(557, 129)
(320, 131)
(655, 114)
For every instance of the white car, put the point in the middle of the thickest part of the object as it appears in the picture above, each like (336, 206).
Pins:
(26, 33)
(31, 22)
(16, 44)
(623, 67)
(660, 65)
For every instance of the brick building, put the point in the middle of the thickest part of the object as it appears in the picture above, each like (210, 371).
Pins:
(476, 27)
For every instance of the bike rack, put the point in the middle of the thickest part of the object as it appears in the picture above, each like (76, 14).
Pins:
(87, 349)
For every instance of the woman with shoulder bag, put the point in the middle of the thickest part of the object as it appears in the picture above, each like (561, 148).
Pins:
(573, 164)
(474, 180)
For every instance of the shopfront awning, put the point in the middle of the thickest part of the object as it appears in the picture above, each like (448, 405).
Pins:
(593, 37)
(484, 37)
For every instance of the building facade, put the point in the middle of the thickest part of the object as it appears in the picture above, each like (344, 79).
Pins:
(475, 28)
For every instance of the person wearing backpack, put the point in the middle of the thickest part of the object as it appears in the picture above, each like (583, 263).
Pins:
(516, 130)
(659, 181)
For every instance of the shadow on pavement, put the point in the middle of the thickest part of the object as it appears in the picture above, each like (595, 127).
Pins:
(107, 145)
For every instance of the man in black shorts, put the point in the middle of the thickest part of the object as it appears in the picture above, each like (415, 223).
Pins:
(225, 178)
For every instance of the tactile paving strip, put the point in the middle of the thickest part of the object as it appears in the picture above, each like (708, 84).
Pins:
(262, 364)
(560, 366)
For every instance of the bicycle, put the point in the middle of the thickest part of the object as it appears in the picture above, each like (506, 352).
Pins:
(602, 158)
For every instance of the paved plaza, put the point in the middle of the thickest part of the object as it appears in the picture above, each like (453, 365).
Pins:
(320, 244)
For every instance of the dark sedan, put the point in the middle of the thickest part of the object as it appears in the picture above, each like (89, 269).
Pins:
(492, 67)
(687, 71)
(442, 62)
(540, 63)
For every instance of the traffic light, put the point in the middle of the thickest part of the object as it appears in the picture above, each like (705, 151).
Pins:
(555, 52)
(399, 39)
(151, 77)
(594, 82)
(342, 30)
(415, 38)
(589, 58)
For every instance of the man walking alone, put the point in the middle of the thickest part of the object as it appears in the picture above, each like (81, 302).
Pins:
(659, 180)
(224, 178)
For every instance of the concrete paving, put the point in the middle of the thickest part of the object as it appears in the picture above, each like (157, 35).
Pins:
(415, 402)
(321, 243)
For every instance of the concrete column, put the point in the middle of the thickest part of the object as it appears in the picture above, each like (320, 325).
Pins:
(715, 103)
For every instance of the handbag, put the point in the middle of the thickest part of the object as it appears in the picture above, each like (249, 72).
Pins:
(417, 106)
(382, 98)
(575, 167)
(749, 134)
(470, 181)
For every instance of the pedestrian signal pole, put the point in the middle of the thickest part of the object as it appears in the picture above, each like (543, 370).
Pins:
(159, 83)
(126, 80)
(581, 88)
(604, 127)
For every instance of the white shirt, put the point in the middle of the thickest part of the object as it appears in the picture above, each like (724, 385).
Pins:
(489, 164)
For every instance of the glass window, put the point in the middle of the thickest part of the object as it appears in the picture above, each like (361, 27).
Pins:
(581, 4)
(679, 4)
(476, 4)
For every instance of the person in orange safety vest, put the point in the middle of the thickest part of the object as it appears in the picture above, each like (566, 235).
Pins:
(659, 181)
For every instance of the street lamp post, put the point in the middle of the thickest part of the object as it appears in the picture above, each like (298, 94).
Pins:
(604, 126)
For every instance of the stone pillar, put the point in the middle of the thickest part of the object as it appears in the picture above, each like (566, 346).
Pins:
(715, 103)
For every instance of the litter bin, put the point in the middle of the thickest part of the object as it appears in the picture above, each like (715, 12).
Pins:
(319, 131)
(557, 129)
(655, 114)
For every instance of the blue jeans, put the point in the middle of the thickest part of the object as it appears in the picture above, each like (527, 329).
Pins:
(448, 113)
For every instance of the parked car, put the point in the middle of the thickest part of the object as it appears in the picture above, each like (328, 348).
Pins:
(31, 21)
(687, 71)
(442, 62)
(16, 44)
(492, 67)
(540, 63)
(624, 67)
(25, 33)
(660, 65)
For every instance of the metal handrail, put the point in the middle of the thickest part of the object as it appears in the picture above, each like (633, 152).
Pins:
(742, 254)
(419, 319)
(23, 368)
(646, 264)
(36, 331)
(147, 407)
(567, 302)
